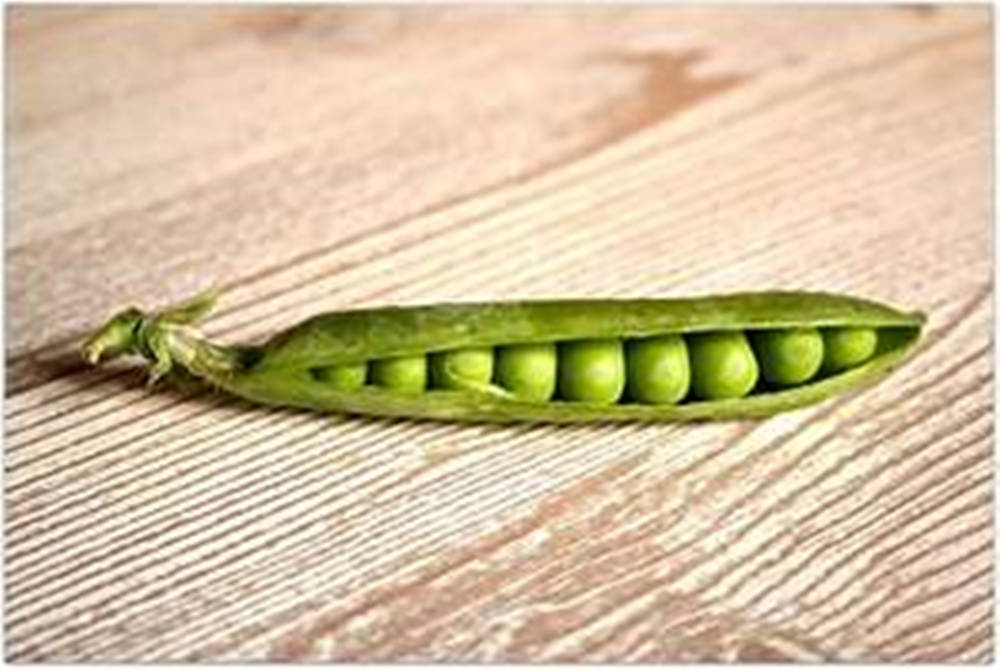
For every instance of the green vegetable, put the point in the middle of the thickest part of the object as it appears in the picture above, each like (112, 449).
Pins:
(528, 371)
(591, 370)
(402, 374)
(722, 365)
(559, 361)
(462, 368)
(346, 377)
(847, 347)
(658, 369)
(788, 357)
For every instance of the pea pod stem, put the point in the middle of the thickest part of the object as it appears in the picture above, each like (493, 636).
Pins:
(279, 372)
(168, 338)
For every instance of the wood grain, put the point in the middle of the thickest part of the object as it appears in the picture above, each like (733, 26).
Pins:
(314, 159)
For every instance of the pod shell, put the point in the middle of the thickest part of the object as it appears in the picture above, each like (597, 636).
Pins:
(278, 373)
(358, 335)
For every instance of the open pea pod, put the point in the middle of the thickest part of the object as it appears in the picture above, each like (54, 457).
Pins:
(715, 357)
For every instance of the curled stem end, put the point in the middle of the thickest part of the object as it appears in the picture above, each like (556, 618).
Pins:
(165, 338)
(116, 337)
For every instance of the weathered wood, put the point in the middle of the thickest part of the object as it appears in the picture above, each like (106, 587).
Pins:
(327, 157)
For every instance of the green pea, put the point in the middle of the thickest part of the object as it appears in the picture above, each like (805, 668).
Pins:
(345, 377)
(591, 370)
(449, 369)
(527, 370)
(722, 365)
(847, 347)
(658, 369)
(406, 374)
(788, 357)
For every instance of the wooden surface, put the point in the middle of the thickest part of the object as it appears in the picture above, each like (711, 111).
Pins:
(309, 160)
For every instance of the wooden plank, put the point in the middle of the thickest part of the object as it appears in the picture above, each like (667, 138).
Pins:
(312, 159)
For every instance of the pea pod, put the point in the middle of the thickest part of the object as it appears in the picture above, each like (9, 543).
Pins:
(715, 357)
